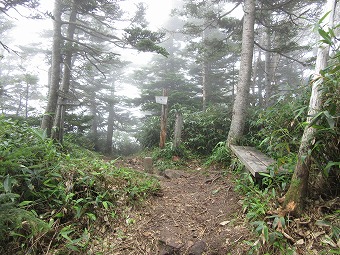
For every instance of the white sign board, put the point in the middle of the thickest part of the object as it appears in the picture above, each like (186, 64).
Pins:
(161, 100)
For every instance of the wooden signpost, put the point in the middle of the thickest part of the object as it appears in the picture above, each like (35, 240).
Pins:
(164, 116)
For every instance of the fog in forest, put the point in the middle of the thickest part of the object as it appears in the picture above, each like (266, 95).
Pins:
(125, 53)
(169, 127)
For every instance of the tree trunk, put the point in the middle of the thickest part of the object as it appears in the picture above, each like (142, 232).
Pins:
(58, 132)
(178, 129)
(271, 62)
(51, 107)
(109, 135)
(241, 102)
(26, 99)
(94, 126)
(19, 105)
(205, 84)
(255, 83)
(267, 75)
(110, 122)
(206, 87)
(298, 190)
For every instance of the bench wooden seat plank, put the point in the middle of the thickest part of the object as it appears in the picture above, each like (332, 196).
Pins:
(254, 160)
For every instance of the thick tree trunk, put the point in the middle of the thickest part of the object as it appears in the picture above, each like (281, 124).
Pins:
(298, 190)
(58, 132)
(205, 84)
(178, 129)
(241, 99)
(51, 107)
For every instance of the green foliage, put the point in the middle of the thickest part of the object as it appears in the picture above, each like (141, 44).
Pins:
(203, 130)
(145, 40)
(256, 203)
(62, 190)
(170, 157)
(325, 152)
(15, 220)
(149, 134)
(220, 154)
(170, 151)
(277, 130)
(326, 149)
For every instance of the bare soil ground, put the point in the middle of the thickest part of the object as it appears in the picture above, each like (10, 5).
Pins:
(197, 213)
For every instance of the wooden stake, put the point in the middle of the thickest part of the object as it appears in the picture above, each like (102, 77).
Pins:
(164, 117)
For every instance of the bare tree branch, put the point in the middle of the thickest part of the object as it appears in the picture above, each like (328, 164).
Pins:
(90, 60)
(107, 37)
(282, 54)
(9, 50)
(227, 13)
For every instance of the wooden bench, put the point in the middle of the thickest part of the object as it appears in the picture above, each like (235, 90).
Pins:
(254, 160)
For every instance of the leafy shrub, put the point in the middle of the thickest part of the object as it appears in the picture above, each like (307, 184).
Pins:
(149, 134)
(220, 154)
(170, 157)
(56, 194)
(257, 202)
(277, 130)
(203, 130)
(326, 148)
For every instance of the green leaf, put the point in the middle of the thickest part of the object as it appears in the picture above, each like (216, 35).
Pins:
(331, 32)
(8, 184)
(325, 36)
(91, 216)
(323, 223)
(323, 17)
(64, 232)
(24, 203)
(265, 233)
(335, 69)
(59, 215)
(329, 119)
(329, 166)
(105, 204)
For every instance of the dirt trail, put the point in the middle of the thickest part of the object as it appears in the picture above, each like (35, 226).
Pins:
(198, 213)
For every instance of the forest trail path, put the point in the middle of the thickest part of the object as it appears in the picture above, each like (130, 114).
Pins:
(198, 210)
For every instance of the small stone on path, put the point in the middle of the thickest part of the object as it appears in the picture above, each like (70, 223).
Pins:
(198, 248)
(173, 174)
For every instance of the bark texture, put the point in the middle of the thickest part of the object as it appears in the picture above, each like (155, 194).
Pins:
(241, 99)
(58, 132)
(110, 122)
(257, 87)
(205, 84)
(298, 190)
(178, 130)
(47, 121)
